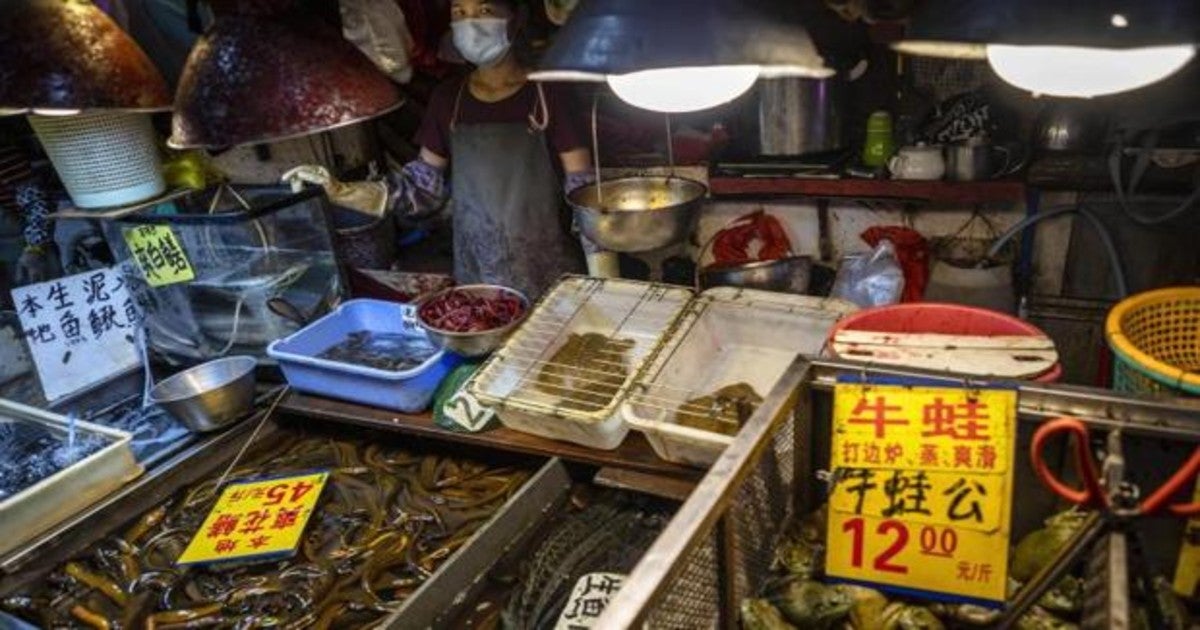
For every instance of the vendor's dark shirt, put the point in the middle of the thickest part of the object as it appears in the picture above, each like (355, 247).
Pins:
(564, 131)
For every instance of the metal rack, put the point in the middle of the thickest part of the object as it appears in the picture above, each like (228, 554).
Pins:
(719, 547)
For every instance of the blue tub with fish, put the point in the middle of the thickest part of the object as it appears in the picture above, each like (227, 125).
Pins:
(367, 351)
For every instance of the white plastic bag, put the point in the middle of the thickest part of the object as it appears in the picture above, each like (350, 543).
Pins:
(873, 279)
(378, 29)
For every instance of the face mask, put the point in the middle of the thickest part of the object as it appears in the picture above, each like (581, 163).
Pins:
(482, 41)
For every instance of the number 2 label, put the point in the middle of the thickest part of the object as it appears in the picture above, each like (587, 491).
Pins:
(467, 412)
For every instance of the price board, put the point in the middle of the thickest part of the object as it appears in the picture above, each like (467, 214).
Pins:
(260, 519)
(80, 329)
(922, 497)
(158, 253)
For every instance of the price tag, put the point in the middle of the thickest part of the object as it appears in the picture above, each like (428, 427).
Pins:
(158, 253)
(923, 492)
(80, 330)
(466, 411)
(1187, 572)
(256, 519)
(588, 600)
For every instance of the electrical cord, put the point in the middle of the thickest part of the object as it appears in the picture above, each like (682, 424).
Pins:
(1114, 170)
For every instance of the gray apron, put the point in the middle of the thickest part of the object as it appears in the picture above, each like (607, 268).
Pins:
(510, 226)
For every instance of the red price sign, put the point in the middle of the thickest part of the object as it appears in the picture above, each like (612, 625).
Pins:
(923, 488)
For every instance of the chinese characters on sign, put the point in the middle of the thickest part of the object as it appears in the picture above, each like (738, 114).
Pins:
(923, 488)
(588, 600)
(79, 329)
(256, 518)
(158, 253)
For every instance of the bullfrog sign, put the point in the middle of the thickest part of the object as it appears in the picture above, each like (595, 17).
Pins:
(922, 497)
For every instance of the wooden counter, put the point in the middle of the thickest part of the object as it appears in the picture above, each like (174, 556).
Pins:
(634, 454)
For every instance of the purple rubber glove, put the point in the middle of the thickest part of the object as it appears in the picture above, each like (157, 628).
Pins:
(418, 191)
(570, 183)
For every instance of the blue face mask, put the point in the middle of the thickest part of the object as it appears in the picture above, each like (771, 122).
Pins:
(481, 41)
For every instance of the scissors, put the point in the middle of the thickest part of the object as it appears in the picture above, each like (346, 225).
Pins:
(1095, 495)
(1104, 538)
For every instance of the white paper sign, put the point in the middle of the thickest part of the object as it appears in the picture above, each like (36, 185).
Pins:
(80, 329)
(588, 600)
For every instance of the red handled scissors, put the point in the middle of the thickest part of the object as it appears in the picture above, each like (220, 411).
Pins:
(1093, 493)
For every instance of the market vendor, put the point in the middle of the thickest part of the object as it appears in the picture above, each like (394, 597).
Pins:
(515, 147)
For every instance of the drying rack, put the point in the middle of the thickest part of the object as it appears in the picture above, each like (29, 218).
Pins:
(719, 548)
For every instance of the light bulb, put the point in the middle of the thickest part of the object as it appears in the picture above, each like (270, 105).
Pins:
(1085, 72)
(689, 89)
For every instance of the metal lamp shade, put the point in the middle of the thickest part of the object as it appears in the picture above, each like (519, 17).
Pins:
(62, 56)
(253, 79)
(614, 37)
(961, 28)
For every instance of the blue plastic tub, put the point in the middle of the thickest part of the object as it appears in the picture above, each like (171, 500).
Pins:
(409, 391)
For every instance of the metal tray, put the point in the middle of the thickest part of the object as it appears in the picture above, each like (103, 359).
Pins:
(46, 503)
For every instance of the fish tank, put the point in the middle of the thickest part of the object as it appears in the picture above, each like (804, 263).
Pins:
(238, 253)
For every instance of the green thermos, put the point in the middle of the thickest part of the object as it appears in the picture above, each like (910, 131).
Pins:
(879, 145)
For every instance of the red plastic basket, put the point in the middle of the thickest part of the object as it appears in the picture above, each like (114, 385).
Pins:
(944, 319)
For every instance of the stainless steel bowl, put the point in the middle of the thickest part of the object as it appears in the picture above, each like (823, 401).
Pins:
(473, 344)
(783, 275)
(210, 395)
(638, 214)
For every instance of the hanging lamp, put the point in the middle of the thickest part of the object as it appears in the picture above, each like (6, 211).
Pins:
(265, 72)
(1080, 48)
(680, 55)
(88, 91)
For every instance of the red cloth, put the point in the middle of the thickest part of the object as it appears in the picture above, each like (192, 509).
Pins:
(912, 250)
(732, 244)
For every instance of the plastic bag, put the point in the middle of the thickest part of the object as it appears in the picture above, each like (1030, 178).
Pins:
(379, 30)
(873, 279)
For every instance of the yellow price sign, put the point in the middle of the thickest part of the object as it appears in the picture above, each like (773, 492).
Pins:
(256, 519)
(159, 254)
(922, 497)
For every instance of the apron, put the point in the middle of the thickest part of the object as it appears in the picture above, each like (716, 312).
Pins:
(509, 226)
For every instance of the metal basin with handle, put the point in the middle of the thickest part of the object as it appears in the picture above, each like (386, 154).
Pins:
(638, 214)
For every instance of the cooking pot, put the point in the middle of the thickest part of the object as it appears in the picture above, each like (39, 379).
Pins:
(798, 116)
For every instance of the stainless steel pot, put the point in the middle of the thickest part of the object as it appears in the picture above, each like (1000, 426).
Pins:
(638, 214)
(783, 275)
(798, 116)
(211, 395)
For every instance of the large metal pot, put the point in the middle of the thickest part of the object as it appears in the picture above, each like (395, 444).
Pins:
(638, 214)
(798, 116)
(783, 275)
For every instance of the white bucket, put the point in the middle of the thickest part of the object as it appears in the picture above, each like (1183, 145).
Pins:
(104, 159)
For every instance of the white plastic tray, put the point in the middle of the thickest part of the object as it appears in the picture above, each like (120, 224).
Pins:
(726, 336)
(617, 309)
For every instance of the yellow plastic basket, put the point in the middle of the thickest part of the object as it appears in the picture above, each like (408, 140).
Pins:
(1155, 337)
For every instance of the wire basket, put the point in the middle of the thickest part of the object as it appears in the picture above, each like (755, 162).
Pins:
(104, 159)
(1155, 337)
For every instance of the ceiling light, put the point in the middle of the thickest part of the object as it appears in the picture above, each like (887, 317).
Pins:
(679, 55)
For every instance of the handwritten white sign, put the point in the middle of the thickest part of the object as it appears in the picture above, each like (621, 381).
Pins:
(588, 600)
(80, 330)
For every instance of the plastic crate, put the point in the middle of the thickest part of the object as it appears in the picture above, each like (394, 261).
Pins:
(408, 391)
(726, 336)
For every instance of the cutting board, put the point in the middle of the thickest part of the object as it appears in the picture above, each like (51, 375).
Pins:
(1000, 356)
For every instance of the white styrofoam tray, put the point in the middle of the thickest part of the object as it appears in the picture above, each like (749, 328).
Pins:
(726, 336)
(617, 309)
(37, 508)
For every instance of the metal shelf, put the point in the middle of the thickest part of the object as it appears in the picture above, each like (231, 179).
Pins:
(943, 192)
